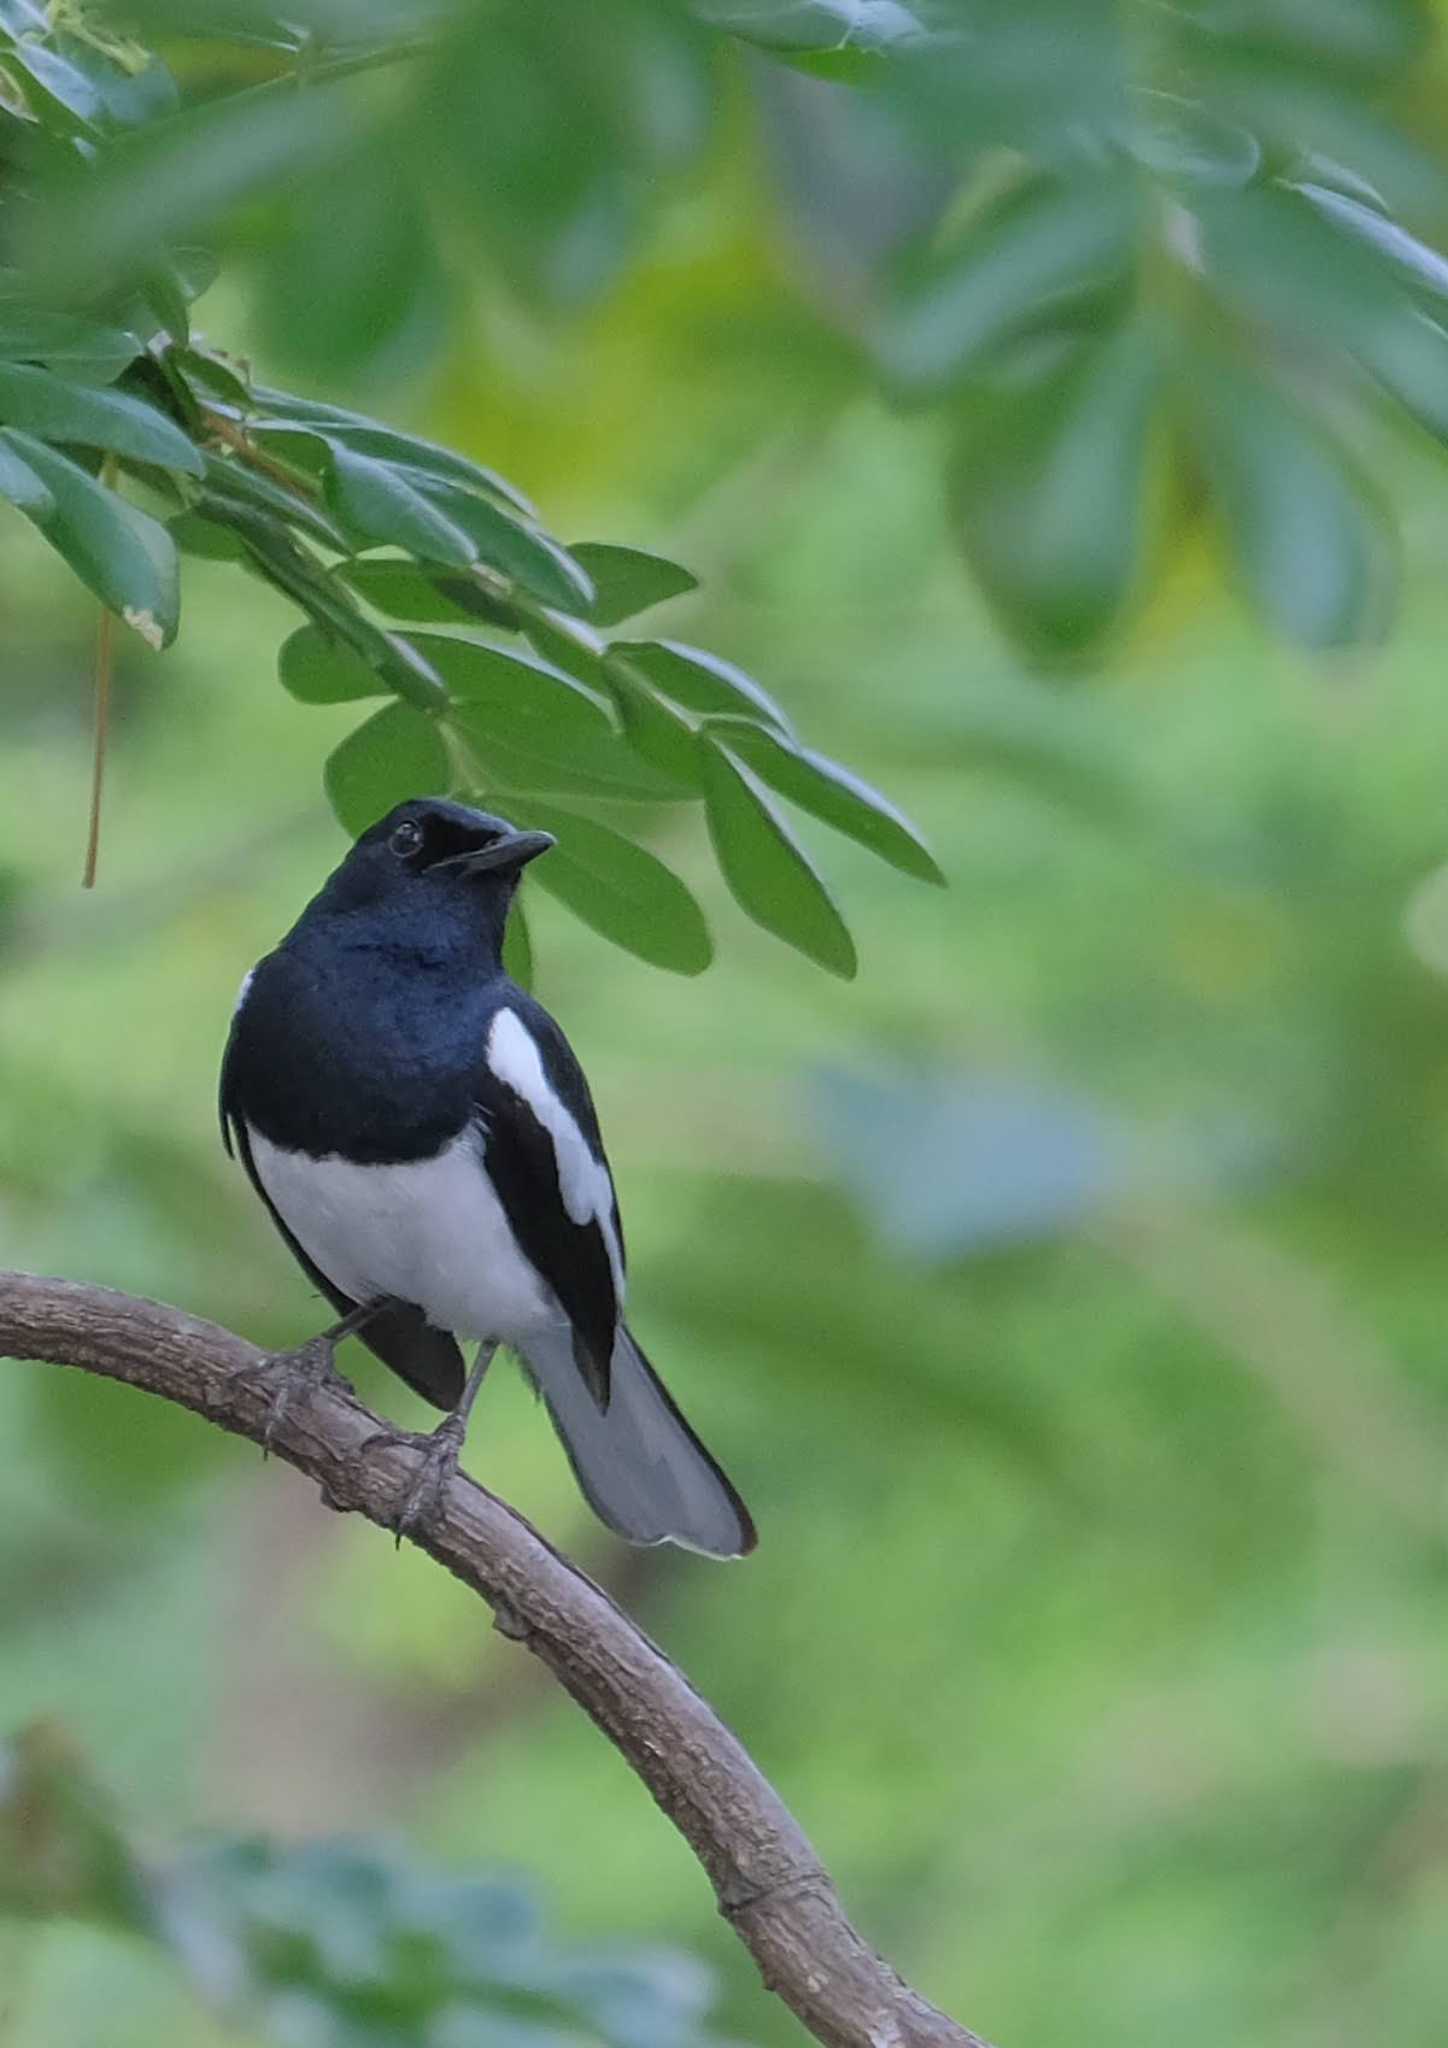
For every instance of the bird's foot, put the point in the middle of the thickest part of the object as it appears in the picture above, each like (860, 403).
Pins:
(438, 1455)
(286, 1376)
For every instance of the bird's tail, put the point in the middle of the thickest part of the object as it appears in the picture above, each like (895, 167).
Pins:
(641, 1467)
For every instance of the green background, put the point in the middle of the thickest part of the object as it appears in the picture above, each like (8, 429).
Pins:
(1066, 1295)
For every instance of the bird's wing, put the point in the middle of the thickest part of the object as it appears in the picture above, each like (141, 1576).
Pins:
(544, 1156)
(427, 1359)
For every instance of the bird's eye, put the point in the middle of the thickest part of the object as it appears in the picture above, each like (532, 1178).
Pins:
(406, 839)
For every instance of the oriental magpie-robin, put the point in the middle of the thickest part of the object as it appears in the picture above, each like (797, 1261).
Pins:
(425, 1141)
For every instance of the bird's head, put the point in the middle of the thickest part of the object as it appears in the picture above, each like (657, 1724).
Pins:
(432, 861)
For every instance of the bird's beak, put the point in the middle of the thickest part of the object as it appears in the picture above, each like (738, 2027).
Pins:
(503, 856)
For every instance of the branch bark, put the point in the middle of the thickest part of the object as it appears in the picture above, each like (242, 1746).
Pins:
(770, 1884)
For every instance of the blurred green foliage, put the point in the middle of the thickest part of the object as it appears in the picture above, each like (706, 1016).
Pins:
(1068, 1292)
(337, 1944)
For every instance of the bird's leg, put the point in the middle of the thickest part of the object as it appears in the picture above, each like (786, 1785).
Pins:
(288, 1374)
(440, 1453)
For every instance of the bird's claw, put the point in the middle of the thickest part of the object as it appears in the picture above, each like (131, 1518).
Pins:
(438, 1454)
(285, 1375)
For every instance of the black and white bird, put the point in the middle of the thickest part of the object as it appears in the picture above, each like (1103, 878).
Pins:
(425, 1141)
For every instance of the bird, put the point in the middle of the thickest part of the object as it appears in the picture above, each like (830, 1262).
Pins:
(424, 1140)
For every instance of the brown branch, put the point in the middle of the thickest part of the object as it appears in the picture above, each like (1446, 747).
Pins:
(771, 1886)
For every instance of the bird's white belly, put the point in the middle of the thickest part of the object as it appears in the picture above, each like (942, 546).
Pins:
(431, 1232)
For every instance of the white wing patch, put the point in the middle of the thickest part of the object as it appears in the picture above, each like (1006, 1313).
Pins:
(247, 979)
(583, 1180)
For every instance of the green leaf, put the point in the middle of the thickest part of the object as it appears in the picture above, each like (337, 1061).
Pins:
(831, 793)
(218, 378)
(695, 680)
(85, 352)
(20, 484)
(368, 437)
(1048, 493)
(1408, 355)
(127, 558)
(535, 727)
(60, 78)
(837, 38)
(196, 535)
(45, 404)
(626, 580)
(619, 889)
(317, 669)
(376, 502)
(764, 866)
(508, 679)
(1049, 249)
(398, 753)
(232, 481)
(1313, 547)
(161, 182)
(406, 590)
(517, 551)
(352, 282)
(347, 659)
(654, 729)
(570, 644)
(518, 958)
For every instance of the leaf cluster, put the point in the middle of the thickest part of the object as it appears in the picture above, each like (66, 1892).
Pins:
(426, 579)
(1173, 267)
(344, 1944)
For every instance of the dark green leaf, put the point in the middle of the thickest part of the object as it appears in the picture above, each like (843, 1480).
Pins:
(1312, 546)
(388, 445)
(196, 535)
(351, 282)
(398, 753)
(1414, 260)
(764, 865)
(695, 680)
(1375, 36)
(406, 590)
(536, 727)
(83, 351)
(376, 502)
(319, 670)
(1048, 494)
(127, 558)
(1408, 355)
(506, 679)
(45, 404)
(530, 558)
(165, 302)
(234, 481)
(626, 580)
(570, 644)
(653, 728)
(163, 181)
(1190, 144)
(354, 660)
(1048, 249)
(831, 793)
(20, 484)
(518, 948)
(217, 378)
(620, 889)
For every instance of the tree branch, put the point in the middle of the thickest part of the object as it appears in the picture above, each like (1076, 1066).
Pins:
(771, 1886)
